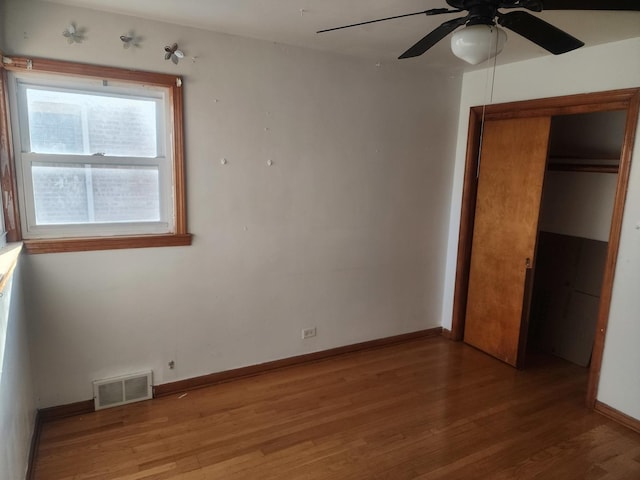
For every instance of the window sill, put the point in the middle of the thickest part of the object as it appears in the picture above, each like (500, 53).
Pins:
(60, 245)
(8, 260)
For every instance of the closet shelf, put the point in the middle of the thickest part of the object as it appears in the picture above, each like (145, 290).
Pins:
(583, 164)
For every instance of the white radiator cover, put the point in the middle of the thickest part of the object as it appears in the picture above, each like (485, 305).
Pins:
(111, 392)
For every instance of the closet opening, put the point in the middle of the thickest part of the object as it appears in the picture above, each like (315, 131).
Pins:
(577, 160)
(573, 234)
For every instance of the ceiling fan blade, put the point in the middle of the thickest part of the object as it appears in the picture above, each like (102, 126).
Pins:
(433, 11)
(632, 5)
(434, 37)
(539, 32)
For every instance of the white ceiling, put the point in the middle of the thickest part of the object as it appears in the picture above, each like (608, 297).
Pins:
(295, 22)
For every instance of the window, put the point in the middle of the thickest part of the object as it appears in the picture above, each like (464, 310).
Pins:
(98, 156)
(91, 158)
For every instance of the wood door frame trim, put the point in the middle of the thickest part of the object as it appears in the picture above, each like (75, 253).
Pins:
(628, 100)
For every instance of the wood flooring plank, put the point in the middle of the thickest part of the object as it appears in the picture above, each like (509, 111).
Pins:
(429, 409)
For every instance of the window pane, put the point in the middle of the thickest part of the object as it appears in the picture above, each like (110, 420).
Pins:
(88, 123)
(60, 194)
(76, 194)
(126, 194)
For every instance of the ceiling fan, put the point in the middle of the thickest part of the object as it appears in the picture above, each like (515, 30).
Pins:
(482, 39)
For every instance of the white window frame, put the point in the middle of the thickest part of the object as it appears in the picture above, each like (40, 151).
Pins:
(18, 83)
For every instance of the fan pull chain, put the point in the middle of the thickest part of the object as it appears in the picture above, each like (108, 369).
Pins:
(484, 105)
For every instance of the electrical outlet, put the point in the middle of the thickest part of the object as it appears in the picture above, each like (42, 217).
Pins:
(309, 332)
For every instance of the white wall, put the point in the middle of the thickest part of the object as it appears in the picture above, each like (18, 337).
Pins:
(605, 67)
(17, 398)
(346, 231)
(578, 204)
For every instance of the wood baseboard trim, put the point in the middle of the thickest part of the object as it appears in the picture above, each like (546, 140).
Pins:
(87, 406)
(63, 411)
(618, 416)
(181, 386)
(33, 449)
(446, 333)
(49, 415)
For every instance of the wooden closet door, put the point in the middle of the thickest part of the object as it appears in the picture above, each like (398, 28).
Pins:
(512, 166)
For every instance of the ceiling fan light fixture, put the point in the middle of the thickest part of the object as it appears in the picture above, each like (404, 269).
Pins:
(477, 43)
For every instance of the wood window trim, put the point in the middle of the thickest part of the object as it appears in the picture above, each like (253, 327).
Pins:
(85, 244)
(628, 100)
(8, 183)
(8, 260)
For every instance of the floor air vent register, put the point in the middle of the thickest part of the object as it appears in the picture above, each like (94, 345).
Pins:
(111, 392)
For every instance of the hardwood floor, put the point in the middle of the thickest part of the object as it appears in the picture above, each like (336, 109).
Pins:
(426, 409)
